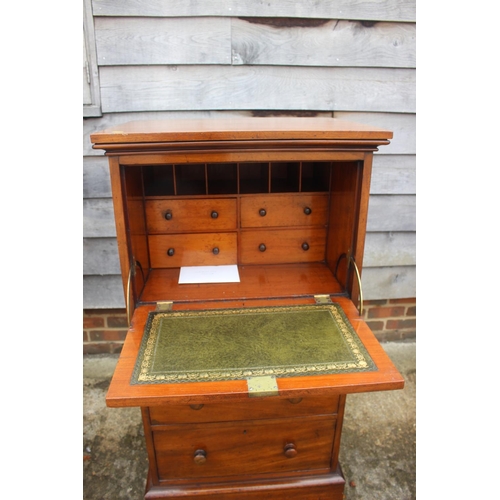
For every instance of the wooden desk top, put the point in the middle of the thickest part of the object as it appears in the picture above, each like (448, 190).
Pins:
(122, 393)
(224, 129)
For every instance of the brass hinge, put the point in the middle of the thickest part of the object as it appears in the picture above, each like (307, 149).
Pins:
(259, 387)
(323, 299)
(165, 305)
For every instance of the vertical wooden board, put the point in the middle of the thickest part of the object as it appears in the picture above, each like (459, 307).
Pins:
(92, 95)
(330, 43)
(342, 225)
(362, 216)
(136, 223)
(119, 203)
(149, 40)
(148, 88)
(87, 95)
(377, 10)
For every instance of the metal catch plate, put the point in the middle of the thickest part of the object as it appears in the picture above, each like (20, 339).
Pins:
(323, 299)
(164, 306)
(259, 387)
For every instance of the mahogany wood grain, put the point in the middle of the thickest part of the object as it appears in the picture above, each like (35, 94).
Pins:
(243, 128)
(138, 241)
(193, 249)
(263, 408)
(284, 210)
(249, 154)
(317, 487)
(282, 246)
(191, 215)
(120, 221)
(148, 435)
(361, 220)
(246, 447)
(256, 282)
(338, 432)
(342, 220)
(135, 227)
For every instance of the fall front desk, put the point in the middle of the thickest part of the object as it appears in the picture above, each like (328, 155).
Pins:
(241, 370)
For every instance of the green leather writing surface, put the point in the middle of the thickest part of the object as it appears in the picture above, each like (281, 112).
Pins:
(230, 344)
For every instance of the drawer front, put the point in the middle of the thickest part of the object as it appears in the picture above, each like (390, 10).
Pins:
(255, 409)
(202, 249)
(278, 210)
(171, 216)
(283, 246)
(246, 447)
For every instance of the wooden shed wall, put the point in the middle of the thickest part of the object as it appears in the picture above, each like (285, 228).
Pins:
(344, 58)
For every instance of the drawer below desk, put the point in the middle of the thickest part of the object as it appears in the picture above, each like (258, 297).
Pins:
(250, 447)
(255, 408)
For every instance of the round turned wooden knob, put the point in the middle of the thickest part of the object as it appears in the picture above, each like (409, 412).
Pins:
(214, 214)
(307, 211)
(196, 407)
(200, 457)
(262, 212)
(262, 247)
(215, 251)
(170, 252)
(289, 450)
(305, 246)
(168, 215)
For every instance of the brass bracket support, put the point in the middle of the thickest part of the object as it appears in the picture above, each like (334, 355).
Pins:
(350, 260)
(131, 273)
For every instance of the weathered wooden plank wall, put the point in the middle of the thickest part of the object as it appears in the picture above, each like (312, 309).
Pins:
(374, 10)
(255, 41)
(165, 88)
(350, 59)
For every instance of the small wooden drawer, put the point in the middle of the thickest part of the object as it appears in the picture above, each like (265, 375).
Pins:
(278, 210)
(201, 249)
(257, 408)
(246, 447)
(209, 214)
(283, 246)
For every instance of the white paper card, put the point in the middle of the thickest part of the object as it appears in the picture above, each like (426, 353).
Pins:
(209, 274)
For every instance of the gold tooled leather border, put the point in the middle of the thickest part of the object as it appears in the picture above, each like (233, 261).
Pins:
(142, 374)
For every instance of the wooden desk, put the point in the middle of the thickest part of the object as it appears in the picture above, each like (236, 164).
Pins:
(286, 201)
